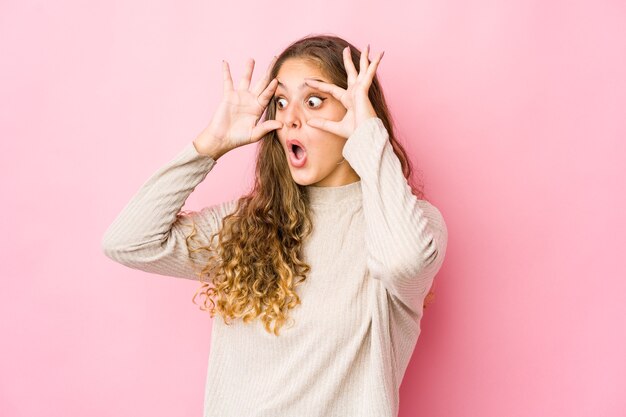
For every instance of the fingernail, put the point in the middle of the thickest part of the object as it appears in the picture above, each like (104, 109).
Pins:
(381, 55)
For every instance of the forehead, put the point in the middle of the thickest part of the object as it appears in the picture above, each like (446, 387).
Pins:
(294, 70)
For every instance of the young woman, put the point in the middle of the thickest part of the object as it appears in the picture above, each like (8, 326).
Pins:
(319, 273)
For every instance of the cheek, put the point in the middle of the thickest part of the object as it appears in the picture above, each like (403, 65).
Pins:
(336, 111)
(328, 149)
(281, 138)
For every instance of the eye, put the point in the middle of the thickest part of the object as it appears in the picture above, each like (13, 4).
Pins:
(277, 99)
(319, 98)
(309, 100)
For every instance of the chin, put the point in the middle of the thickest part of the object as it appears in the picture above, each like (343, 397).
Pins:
(303, 179)
(303, 182)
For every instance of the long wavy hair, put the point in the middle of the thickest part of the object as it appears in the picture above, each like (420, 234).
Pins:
(257, 263)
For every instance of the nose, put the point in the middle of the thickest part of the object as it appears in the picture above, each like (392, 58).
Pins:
(292, 117)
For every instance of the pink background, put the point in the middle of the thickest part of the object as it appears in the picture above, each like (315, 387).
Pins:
(513, 111)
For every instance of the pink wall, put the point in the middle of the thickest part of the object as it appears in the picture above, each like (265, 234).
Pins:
(514, 112)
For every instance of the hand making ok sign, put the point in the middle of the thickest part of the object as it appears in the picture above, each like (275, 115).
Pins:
(355, 99)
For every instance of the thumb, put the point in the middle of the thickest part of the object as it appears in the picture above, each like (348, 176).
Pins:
(264, 128)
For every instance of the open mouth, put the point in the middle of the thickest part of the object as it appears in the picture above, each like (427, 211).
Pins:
(297, 150)
(297, 153)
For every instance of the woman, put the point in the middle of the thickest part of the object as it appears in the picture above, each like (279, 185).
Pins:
(321, 271)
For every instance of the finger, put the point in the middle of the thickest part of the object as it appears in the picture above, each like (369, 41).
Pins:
(262, 83)
(349, 64)
(264, 128)
(327, 125)
(332, 89)
(371, 71)
(267, 94)
(364, 61)
(244, 84)
(228, 80)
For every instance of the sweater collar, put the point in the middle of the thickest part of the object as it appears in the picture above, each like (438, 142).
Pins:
(332, 195)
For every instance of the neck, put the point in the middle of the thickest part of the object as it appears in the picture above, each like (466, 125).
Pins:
(333, 195)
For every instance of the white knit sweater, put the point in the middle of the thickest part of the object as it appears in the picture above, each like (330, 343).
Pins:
(374, 252)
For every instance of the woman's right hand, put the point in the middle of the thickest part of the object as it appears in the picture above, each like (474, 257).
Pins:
(234, 123)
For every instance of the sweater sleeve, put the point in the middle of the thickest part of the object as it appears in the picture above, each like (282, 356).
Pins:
(150, 232)
(406, 237)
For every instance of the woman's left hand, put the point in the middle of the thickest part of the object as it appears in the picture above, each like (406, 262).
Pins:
(355, 99)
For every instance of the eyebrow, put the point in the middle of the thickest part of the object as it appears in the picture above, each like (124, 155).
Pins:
(301, 85)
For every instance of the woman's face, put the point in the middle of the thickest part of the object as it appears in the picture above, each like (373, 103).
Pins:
(319, 163)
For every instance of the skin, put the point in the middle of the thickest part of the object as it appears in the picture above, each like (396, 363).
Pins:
(321, 126)
(325, 166)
